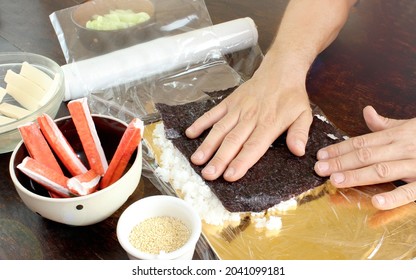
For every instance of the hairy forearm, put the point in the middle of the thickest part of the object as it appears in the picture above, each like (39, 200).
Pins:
(306, 29)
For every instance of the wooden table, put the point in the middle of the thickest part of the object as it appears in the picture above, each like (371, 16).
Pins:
(372, 62)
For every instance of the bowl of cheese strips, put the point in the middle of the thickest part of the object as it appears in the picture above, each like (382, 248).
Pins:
(30, 85)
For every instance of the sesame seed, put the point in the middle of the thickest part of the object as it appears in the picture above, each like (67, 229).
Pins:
(159, 234)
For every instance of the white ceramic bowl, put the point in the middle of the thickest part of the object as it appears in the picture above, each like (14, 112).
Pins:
(9, 134)
(156, 206)
(88, 209)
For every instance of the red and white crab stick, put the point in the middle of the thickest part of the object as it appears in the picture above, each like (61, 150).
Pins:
(52, 180)
(84, 184)
(87, 132)
(37, 146)
(129, 141)
(60, 145)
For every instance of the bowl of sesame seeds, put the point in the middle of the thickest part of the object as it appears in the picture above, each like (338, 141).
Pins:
(159, 227)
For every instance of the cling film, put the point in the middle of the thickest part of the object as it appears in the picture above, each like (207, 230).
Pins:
(327, 223)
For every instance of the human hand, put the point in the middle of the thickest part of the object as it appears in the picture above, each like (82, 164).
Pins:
(385, 155)
(247, 122)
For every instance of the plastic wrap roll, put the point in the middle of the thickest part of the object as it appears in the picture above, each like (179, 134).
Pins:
(158, 56)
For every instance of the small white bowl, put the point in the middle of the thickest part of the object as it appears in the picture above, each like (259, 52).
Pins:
(157, 206)
(9, 134)
(88, 209)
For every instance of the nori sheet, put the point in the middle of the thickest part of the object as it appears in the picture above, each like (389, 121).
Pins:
(277, 176)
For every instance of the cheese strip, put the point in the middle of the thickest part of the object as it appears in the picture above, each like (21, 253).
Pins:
(2, 93)
(5, 120)
(13, 111)
(27, 101)
(36, 75)
(51, 90)
(26, 85)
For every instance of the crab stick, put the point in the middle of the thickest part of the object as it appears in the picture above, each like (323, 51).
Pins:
(60, 145)
(50, 179)
(84, 184)
(37, 146)
(129, 141)
(87, 132)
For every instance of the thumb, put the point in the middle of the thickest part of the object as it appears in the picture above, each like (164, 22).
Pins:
(297, 134)
(395, 198)
(376, 122)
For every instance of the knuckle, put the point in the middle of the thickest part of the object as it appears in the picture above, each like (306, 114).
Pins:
(249, 114)
(219, 161)
(240, 164)
(358, 142)
(251, 145)
(383, 170)
(410, 148)
(338, 164)
(233, 139)
(403, 195)
(219, 128)
(207, 115)
(363, 155)
(409, 194)
(353, 177)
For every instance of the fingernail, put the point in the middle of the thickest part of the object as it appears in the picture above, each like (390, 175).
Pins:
(300, 145)
(229, 172)
(189, 130)
(338, 177)
(209, 170)
(380, 199)
(323, 155)
(198, 155)
(322, 166)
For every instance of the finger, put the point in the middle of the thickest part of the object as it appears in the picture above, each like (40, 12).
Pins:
(376, 122)
(400, 196)
(355, 143)
(377, 173)
(297, 135)
(207, 120)
(228, 150)
(214, 139)
(253, 149)
(362, 157)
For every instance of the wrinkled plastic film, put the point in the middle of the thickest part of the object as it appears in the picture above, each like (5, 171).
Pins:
(328, 223)
(171, 52)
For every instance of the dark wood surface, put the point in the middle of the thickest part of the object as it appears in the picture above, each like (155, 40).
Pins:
(372, 62)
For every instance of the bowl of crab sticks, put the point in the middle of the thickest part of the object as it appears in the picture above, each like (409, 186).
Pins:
(77, 170)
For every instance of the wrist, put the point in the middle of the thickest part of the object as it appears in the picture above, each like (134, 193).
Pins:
(284, 67)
